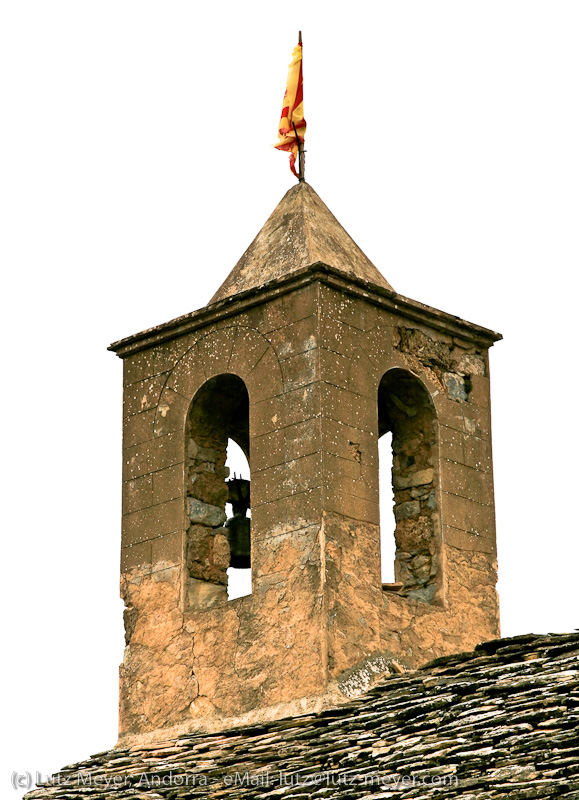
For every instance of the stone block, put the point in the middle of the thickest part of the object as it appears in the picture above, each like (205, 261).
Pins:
(143, 395)
(295, 511)
(335, 368)
(472, 365)
(188, 375)
(153, 522)
(168, 354)
(291, 477)
(350, 548)
(208, 487)
(265, 379)
(419, 478)
(136, 556)
(215, 350)
(295, 338)
(456, 386)
(302, 439)
(336, 336)
(271, 316)
(268, 450)
(364, 376)
(378, 344)
(168, 484)
(466, 482)
(171, 413)
(248, 348)
(347, 504)
(221, 554)
(461, 540)
(285, 309)
(478, 453)
(480, 392)
(159, 453)
(203, 594)
(285, 409)
(407, 510)
(138, 367)
(450, 413)
(198, 537)
(477, 421)
(300, 370)
(336, 305)
(300, 303)
(167, 550)
(452, 444)
(138, 428)
(349, 442)
(200, 513)
(468, 515)
(138, 494)
(350, 475)
(347, 407)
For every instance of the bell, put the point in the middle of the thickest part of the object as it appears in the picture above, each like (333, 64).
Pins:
(238, 534)
(239, 525)
(239, 494)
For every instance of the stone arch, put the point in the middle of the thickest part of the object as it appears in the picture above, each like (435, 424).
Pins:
(237, 349)
(406, 409)
(219, 411)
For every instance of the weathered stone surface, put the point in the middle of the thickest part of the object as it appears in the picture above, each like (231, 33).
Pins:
(204, 513)
(130, 620)
(456, 386)
(152, 522)
(418, 478)
(301, 231)
(406, 510)
(221, 553)
(304, 376)
(202, 593)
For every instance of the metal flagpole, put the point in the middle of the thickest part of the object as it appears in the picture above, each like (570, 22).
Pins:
(301, 152)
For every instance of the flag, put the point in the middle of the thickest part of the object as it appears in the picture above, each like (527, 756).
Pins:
(292, 125)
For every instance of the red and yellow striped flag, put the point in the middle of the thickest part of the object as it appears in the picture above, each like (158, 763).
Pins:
(292, 125)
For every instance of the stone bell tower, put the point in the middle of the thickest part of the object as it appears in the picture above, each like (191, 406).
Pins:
(304, 357)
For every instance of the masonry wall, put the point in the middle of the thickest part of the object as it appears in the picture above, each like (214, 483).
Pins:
(360, 343)
(185, 663)
(312, 361)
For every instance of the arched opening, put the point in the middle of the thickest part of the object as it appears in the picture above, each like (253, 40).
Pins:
(406, 411)
(218, 417)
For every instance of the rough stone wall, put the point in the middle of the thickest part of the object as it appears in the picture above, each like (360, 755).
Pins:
(446, 549)
(312, 361)
(222, 658)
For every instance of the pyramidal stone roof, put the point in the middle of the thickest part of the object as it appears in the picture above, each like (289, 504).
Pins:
(301, 231)
(500, 722)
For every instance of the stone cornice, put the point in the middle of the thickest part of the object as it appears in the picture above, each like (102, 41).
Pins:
(384, 298)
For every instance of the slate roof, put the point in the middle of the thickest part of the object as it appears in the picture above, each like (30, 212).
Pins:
(500, 722)
(300, 232)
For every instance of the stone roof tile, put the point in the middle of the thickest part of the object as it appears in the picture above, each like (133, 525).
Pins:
(501, 722)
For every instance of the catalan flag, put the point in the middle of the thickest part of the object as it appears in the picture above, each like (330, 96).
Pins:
(292, 125)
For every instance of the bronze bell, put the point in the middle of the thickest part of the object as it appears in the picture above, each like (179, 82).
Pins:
(238, 526)
(239, 495)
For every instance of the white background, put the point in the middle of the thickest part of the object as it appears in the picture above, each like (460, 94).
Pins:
(136, 167)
